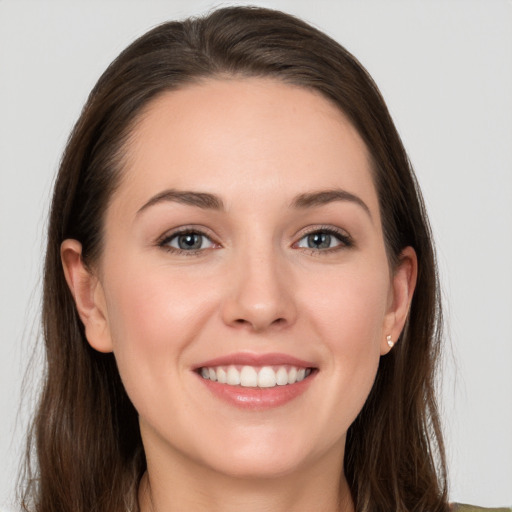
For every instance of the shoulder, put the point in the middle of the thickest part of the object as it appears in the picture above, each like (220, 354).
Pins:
(459, 507)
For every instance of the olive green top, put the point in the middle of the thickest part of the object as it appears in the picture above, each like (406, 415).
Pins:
(459, 507)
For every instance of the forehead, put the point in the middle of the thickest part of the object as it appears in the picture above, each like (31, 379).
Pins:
(245, 137)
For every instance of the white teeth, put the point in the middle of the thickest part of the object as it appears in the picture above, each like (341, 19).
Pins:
(267, 377)
(233, 377)
(248, 377)
(281, 376)
(251, 377)
(222, 376)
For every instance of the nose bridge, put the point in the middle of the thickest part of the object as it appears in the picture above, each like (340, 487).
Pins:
(260, 294)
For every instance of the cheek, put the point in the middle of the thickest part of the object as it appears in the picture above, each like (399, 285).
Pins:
(351, 306)
(153, 316)
(349, 320)
(153, 308)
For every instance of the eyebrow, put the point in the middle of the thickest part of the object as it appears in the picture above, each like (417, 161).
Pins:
(208, 201)
(322, 197)
(198, 199)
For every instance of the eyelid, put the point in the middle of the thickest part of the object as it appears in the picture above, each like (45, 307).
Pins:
(344, 238)
(163, 240)
(340, 234)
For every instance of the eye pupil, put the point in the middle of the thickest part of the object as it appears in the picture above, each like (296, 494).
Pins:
(319, 241)
(190, 241)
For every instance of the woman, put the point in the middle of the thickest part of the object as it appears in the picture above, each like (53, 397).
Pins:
(241, 306)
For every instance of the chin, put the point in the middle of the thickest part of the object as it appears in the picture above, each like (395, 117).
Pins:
(260, 467)
(273, 455)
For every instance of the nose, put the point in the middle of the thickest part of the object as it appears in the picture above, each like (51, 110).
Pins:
(260, 294)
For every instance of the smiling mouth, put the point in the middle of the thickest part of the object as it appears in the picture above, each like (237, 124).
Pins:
(255, 376)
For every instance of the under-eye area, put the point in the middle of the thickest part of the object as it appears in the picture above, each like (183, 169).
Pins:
(256, 376)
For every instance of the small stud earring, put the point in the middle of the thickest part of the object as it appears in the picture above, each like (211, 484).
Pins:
(390, 341)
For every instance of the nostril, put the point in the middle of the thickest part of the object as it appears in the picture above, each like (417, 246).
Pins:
(257, 326)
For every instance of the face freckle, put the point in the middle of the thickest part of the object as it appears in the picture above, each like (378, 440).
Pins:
(246, 228)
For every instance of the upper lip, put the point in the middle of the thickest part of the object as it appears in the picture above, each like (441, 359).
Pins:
(250, 359)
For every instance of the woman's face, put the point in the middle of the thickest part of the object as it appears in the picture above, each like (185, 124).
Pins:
(244, 243)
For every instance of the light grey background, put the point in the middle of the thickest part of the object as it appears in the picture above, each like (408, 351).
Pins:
(445, 69)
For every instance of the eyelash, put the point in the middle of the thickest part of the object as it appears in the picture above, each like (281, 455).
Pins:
(167, 238)
(342, 237)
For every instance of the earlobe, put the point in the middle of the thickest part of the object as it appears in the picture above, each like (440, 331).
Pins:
(88, 294)
(403, 286)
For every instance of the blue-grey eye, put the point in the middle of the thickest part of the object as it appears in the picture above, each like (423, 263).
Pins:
(190, 241)
(320, 240)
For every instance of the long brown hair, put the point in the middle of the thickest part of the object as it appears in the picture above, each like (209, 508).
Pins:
(85, 435)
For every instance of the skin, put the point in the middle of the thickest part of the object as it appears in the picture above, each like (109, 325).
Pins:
(255, 287)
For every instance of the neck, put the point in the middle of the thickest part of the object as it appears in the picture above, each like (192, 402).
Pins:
(197, 489)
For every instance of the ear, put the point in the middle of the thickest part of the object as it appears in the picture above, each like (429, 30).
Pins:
(401, 293)
(88, 294)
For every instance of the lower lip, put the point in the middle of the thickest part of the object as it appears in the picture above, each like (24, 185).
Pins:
(258, 398)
